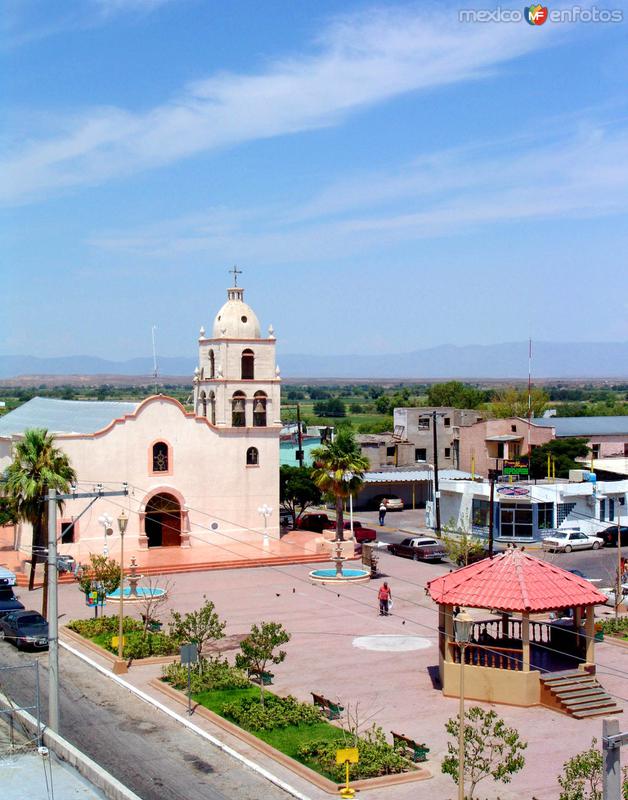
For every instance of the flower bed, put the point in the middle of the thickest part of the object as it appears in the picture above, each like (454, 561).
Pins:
(137, 643)
(296, 729)
(617, 628)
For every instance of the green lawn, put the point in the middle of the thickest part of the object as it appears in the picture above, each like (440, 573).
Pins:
(287, 740)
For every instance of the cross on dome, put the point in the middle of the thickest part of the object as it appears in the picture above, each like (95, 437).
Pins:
(235, 272)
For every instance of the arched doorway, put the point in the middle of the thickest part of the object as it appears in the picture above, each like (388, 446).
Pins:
(162, 521)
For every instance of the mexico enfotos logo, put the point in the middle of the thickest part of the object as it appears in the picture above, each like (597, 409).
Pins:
(538, 14)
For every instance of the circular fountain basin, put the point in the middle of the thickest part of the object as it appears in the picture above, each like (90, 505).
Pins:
(141, 593)
(347, 575)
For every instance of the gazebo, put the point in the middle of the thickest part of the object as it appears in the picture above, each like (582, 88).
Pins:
(510, 657)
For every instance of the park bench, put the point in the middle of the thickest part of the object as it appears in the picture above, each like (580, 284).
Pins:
(152, 625)
(261, 677)
(413, 750)
(330, 709)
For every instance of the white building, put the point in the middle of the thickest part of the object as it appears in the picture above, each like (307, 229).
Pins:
(523, 512)
(190, 474)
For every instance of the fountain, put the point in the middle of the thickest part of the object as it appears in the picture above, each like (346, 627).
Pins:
(340, 574)
(134, 593)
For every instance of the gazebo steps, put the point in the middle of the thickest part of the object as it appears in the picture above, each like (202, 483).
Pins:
(576, 693)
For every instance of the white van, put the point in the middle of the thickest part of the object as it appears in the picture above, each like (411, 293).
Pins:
(7, 578)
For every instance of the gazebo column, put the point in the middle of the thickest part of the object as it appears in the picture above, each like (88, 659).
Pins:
(449, 630)
(589, 629)
(505, 618)
(525, 640)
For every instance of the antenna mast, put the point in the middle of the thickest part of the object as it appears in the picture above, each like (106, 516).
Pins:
(155, 368)
(529, 389)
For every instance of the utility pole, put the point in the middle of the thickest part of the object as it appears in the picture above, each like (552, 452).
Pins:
(493, 475)
(618, 587)
(53, 603)
(299, 437)
(612, 741)
(436, 490)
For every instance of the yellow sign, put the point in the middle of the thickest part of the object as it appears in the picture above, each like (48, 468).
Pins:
(114, 641)
(349, 754)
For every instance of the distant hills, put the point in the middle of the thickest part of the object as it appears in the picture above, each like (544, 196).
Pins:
(496, 361)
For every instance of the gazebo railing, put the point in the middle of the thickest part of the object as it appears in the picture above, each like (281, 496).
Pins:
(540, 632)
(479, 655)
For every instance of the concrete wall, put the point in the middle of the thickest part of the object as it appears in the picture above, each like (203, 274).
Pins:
(476, 451)
(492, 685)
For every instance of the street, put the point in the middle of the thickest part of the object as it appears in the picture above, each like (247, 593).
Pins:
(146, 750)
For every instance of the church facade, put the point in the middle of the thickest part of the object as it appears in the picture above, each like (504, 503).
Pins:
(191, 475)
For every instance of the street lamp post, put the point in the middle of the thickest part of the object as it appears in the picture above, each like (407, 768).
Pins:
(462, 632)
(106, 521)
(122, 523)
(265, 511)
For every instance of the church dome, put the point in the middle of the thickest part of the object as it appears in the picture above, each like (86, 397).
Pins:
(236, 319)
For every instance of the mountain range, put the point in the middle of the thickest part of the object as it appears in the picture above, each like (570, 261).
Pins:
(506, 360)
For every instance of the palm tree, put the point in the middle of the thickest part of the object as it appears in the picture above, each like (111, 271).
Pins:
(37, 467)
(339, 468)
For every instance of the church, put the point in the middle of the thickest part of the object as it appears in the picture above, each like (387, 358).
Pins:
(196, 478)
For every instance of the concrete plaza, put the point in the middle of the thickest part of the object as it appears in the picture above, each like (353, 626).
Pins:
(393, 689)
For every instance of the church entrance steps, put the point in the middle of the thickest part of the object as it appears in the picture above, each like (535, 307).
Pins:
(576, 693)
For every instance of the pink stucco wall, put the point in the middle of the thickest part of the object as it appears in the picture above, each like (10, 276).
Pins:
(474, 447)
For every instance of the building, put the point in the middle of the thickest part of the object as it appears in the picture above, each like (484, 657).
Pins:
(524, 511)
(607, 437)
(191, 475)
(488, 442)
(415, 426)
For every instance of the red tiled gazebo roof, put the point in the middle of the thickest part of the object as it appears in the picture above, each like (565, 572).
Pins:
(513, 581)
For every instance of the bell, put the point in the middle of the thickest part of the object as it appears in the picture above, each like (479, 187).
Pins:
(238, 407)
(259, 408)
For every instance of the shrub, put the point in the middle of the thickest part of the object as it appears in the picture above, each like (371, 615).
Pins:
(277, 712)
(613, 626)
(108, 624)
(377, 756)
(216, 674)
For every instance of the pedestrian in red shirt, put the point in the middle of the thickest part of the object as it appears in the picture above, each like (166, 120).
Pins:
(384, 595)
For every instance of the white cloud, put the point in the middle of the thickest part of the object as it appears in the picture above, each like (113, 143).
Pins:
(361, 60)
(579, 174)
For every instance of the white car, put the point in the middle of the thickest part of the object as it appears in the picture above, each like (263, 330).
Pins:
(566, 541)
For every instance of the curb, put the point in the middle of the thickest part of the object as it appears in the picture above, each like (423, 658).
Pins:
(189, 725)
(89, 769)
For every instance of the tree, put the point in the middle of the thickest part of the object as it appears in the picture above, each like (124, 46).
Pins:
(491, 749)
(563, 452)
(455, 394)
(514, 402)
(37, 467)
(102, 571)
(197, 627)
(582, 776)
(334, 462)
(152, 604)
(297, 490)
(258, 649)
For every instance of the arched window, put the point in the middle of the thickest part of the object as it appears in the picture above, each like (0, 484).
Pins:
(160, 457)
(252, 457)
(212, 408)
(238, 406)
(203, 409)
(259, 409)
(248, 365)
(212, 364)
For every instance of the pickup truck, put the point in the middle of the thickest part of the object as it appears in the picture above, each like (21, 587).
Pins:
(420, 548)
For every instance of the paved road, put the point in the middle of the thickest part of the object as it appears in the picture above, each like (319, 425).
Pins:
(150, 753)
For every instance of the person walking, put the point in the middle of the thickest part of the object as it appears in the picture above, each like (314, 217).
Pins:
(382, 512)
(385, 596)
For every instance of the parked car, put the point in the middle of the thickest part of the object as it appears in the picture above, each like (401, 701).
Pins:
(610, 535)
(566, 541)
(314, 522)
(7, 578)
(581, 574)
(8, 601)
(25, 629)
(419, 548)
(360, 532)
(391, 502)
(286, 519)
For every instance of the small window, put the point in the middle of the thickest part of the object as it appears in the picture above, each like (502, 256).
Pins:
(595, 450)
(248, 365)
(252, 457)
(420, 454)
(448, 452)
(67, 532)
(212, 364)
(424, 423)
(390, 451)
(160, 457)
(513, 428)
(447, 422)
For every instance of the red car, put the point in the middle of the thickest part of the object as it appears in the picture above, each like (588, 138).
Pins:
(360, 533)
(314, 522)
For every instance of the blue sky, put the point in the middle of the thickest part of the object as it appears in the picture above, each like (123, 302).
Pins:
(388, 177)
